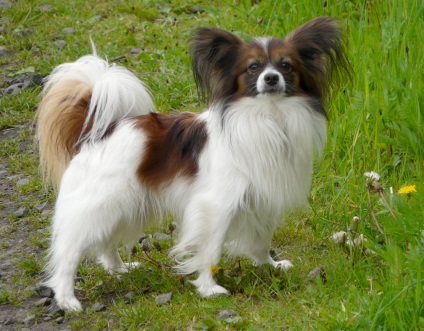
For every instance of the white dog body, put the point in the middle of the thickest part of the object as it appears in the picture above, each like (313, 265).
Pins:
(227, 175)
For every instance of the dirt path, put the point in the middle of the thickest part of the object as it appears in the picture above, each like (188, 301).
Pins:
(23, 242)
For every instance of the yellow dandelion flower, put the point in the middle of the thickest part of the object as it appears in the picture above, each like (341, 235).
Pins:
(215, 269)
(407, 189)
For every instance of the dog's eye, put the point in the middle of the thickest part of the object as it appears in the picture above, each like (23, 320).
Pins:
(286, 66)
(253, 67)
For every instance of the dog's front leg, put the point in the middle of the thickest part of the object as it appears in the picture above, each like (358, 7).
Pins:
(204, 229)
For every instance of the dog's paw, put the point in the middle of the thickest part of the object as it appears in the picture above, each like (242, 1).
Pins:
(213, 291)
(283, 264)
(69, 304)
(123, 269)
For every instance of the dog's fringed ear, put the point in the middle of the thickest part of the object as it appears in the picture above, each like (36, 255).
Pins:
(321, 48)
(214, 53)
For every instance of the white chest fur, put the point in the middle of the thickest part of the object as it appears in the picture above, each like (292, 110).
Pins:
(271, 143)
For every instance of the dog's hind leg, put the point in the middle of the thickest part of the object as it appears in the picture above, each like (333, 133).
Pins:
(259, 250)
(79, 225)
(65, 254)
(112, 262)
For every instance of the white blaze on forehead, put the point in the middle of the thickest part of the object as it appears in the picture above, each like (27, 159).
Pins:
(263, 42)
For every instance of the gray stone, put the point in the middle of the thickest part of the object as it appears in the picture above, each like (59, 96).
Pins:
(98, 307)
(136, 50)
(45, 8)
(40, 207)
(14, 89)
(223, 314)
(29, 321)
(21, 212)
(318, 271)
(43, 302)
(163, 298)
(128, 298)
(44, 291)
(22, 182)
(68, 30)
(2, 29)
(145, 245)
(3, 173)
(161, 236)
(5, 4)
(195, 9)
(60, 43)
(9, 321)
(32, 80)
(4, 52)
(47, 212)
(54, 310)
(60, 320)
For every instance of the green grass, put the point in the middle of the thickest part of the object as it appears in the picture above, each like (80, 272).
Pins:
(376, 122)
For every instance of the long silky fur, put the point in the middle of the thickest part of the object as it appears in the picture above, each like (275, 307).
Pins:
(68, 116)
(228, 175)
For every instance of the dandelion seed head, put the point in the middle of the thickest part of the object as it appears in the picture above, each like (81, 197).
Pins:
(372, 175)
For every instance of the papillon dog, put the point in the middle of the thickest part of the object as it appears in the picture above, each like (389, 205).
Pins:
(227, 175)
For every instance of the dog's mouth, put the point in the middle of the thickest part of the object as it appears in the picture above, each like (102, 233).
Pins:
(272, 92)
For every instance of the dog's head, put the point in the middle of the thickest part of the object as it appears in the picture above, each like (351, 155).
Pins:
(227, 68)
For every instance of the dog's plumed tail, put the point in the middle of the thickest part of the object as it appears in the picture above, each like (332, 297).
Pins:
(81, 103)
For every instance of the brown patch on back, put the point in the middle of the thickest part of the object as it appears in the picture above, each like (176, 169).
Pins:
(174, 144)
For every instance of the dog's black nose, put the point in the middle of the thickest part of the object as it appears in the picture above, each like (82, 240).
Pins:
(271, 79)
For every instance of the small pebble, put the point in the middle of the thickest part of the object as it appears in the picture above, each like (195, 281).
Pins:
(32, 80)
(195, 9)
(145, 244)
(43, 302)
(318, 271)
(22, 182)
(29, 321)
(44, 291)
(21, 212)
(161, 236)
(68, 30)
(5, 4)
(9, 321)
(40, 207)
(14, 89)
(128, 298)
(136, 50)
(45, 8)
(163, 299)
(60, 43)
(4, 52)
(54, 310)
(98, 307)
(47, 212)
(223, 314)
(60, 320)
